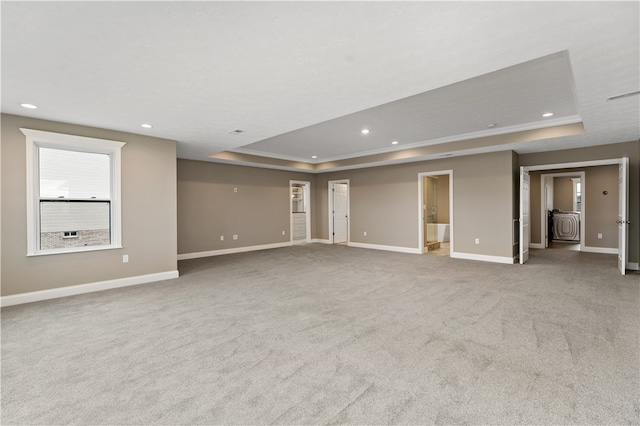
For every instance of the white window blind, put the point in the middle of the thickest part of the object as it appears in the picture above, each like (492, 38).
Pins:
(72, 174)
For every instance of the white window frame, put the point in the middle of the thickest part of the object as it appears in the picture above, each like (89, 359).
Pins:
(576, 181)
(40, 139)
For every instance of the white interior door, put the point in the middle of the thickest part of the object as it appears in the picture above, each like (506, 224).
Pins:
(340, 212)
(623, 196)
(524, 215)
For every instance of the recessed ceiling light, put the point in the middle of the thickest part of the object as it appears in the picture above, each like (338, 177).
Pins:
(314, 156)
(547, 114)
(492, 125)
(236, 132)
(30, 106)
(394, 143)
(146, 126)
(365, 131)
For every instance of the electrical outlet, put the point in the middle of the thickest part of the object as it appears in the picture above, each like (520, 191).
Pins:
(235, 237)
(599, 236)
(235, 189)
(365, 233)
(282, 232)
(477, 240)
(125, 258)
(221, 237)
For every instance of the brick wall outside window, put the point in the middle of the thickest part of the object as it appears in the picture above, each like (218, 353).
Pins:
(93, 237)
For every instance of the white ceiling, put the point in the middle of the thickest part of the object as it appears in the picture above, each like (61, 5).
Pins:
(302, 78)
(508, 100)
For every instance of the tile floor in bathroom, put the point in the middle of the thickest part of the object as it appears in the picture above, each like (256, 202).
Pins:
(442, 251)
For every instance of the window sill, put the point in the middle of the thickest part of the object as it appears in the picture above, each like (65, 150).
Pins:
(73, 250)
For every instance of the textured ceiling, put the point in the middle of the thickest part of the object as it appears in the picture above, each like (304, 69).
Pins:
(197, 70)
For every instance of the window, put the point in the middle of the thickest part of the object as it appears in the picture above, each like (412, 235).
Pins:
(577, 195)
(73, 193)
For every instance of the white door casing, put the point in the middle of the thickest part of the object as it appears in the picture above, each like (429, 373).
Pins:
(524, 215)
(340, 212)
(307, 201)
(344, 219)
(421, 203)
(623, 213)
(548, 194)
(547, 180)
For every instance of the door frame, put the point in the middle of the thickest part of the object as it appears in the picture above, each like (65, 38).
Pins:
(330, 187)
(621, 197)
(623, 216)
(307, 198)
(421, 177)
(544, 208)
(524, 217)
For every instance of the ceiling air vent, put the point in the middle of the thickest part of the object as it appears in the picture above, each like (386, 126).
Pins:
(626, 95)
(236, 132)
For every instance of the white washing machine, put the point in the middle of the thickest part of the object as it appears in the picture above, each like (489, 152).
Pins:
(566, 226)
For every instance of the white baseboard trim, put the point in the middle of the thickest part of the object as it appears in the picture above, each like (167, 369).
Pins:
(482, 257)
(54, 293)
(536, 246)
(200, 254)
(633, 266)
(409, 250)
(320, 241)
(602, 250)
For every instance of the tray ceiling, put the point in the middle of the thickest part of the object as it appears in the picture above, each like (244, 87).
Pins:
(302, 79)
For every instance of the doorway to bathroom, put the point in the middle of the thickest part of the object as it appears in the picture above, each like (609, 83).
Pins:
(436, 212)
(300, 222)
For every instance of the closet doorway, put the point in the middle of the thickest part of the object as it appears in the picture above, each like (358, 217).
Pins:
(300, 208)
(435, 195)
(339, 211)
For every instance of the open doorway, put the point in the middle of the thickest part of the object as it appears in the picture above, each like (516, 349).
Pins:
(562, 217)
(609, 212)
(339, 211)
(300, 219)
(435, 195)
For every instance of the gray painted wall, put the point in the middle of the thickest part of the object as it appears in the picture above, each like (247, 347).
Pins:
(443, 199)
(563, 193)
(384, 203)
(601, 209)
(208, 207)
(148, 213)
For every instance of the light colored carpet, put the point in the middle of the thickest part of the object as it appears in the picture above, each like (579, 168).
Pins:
(335, 335)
